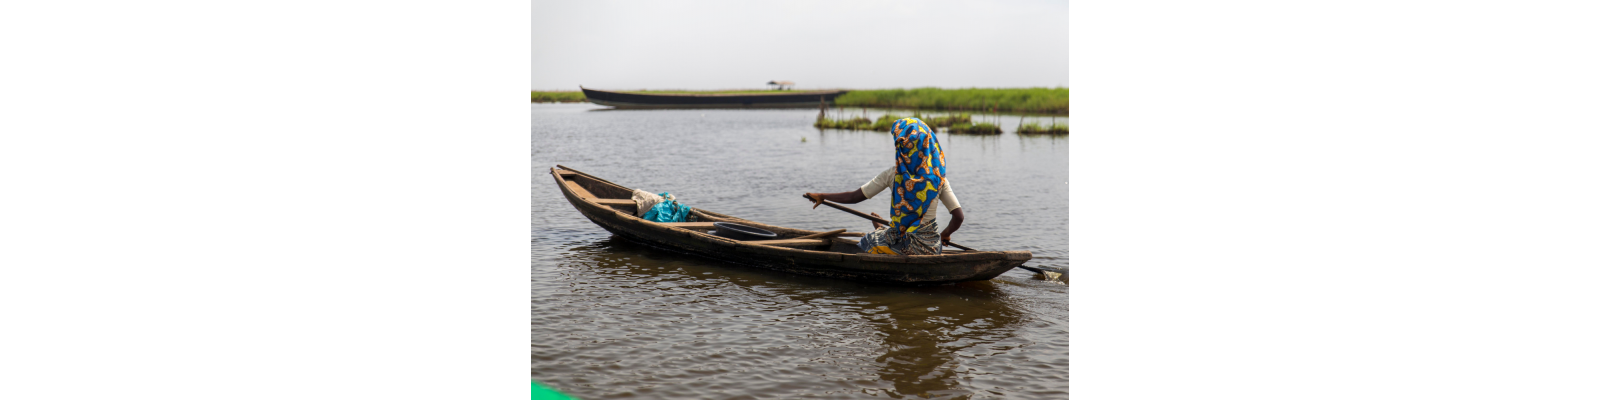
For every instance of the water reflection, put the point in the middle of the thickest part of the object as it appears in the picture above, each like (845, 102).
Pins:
(890, 339)
(922, 338)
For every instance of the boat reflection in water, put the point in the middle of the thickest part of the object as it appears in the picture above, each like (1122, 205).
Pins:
(636, 321)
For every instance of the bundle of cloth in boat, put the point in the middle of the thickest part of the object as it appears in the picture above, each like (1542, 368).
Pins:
(662, 207)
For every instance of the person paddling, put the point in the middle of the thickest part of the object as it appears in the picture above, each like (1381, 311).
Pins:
(918, 177)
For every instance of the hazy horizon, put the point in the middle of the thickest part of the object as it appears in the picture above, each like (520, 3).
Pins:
(856, 45)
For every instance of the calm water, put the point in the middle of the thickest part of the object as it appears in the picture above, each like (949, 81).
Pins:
(614, 319)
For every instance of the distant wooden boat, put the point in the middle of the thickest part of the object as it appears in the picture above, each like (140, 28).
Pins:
(777, 99)
(611, 206)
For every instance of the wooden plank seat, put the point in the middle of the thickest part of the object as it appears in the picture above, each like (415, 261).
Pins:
(584, 193)
(694, 226)
(579, 190)
(789, 242)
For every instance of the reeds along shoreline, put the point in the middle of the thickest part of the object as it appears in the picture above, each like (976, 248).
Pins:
(959, 123)
(1019, 100)
(981, 128)
(558, 97)
(883, 124)
(1033, 128)
(946, 120)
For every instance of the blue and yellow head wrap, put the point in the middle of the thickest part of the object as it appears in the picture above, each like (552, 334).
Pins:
(919, 173)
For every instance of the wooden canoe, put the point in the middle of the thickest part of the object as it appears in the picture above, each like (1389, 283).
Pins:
(776, 99)
(611, 206)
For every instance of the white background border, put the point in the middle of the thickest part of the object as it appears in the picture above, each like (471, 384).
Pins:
(327, 199)
(1341, 200)
(276, 200)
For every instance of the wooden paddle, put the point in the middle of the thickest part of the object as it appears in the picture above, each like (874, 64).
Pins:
(872, 218)
(1050, 274)
(822, 235)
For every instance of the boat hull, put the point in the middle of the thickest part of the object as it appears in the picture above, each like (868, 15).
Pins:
(639, 100)
(907, 270)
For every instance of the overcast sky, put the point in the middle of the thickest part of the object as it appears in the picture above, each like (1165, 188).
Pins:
(816, 44)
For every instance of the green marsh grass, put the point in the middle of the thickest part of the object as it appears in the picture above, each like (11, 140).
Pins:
(947, 120)
(558, 97)
(882, 124)
(857, 123)
(981, 128)
(960, 123)
(1022, 100)
(1034, 128)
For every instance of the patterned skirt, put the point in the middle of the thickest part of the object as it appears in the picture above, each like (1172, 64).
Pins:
(923, 241)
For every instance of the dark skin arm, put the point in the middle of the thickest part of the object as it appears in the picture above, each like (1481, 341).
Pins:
(956, 216)
(853, 197)
(850, 197)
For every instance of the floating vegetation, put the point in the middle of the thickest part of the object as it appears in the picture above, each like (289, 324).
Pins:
(947, 120)
(558, 97)
(1033, 128)
(959, 123)
(981, 128)
(1019, 100)
(857, 123)
(883, 124)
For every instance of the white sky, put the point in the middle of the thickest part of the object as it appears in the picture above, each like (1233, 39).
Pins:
(816, 44)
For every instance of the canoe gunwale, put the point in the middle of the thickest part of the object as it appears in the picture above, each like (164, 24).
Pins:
(718, 95)
(785, 99)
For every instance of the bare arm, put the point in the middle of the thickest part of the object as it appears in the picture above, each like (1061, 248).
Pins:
(956, 216)
(850, 197)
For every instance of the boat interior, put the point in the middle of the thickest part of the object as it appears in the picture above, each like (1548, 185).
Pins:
(620, 198)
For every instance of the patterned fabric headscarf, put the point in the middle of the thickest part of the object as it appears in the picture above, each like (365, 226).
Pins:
(919, 173)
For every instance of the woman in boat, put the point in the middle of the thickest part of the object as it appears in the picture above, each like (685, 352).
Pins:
(918, 179)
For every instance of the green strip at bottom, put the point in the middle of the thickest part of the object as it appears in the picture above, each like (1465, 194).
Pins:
(542, 392)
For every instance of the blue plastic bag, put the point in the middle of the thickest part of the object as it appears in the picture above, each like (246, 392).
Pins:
(668, 211)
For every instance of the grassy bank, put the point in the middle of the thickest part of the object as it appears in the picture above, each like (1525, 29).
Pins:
(959, 123)
(1028, 100)
(1034, 128)
(981, 128)
(883, 124)
(946, 120)
(558, 97)
(856, 123)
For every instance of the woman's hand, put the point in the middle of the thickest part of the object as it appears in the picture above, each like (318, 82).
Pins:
(816, 199)
(850, 197)
(956, 217)
(875, 224)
